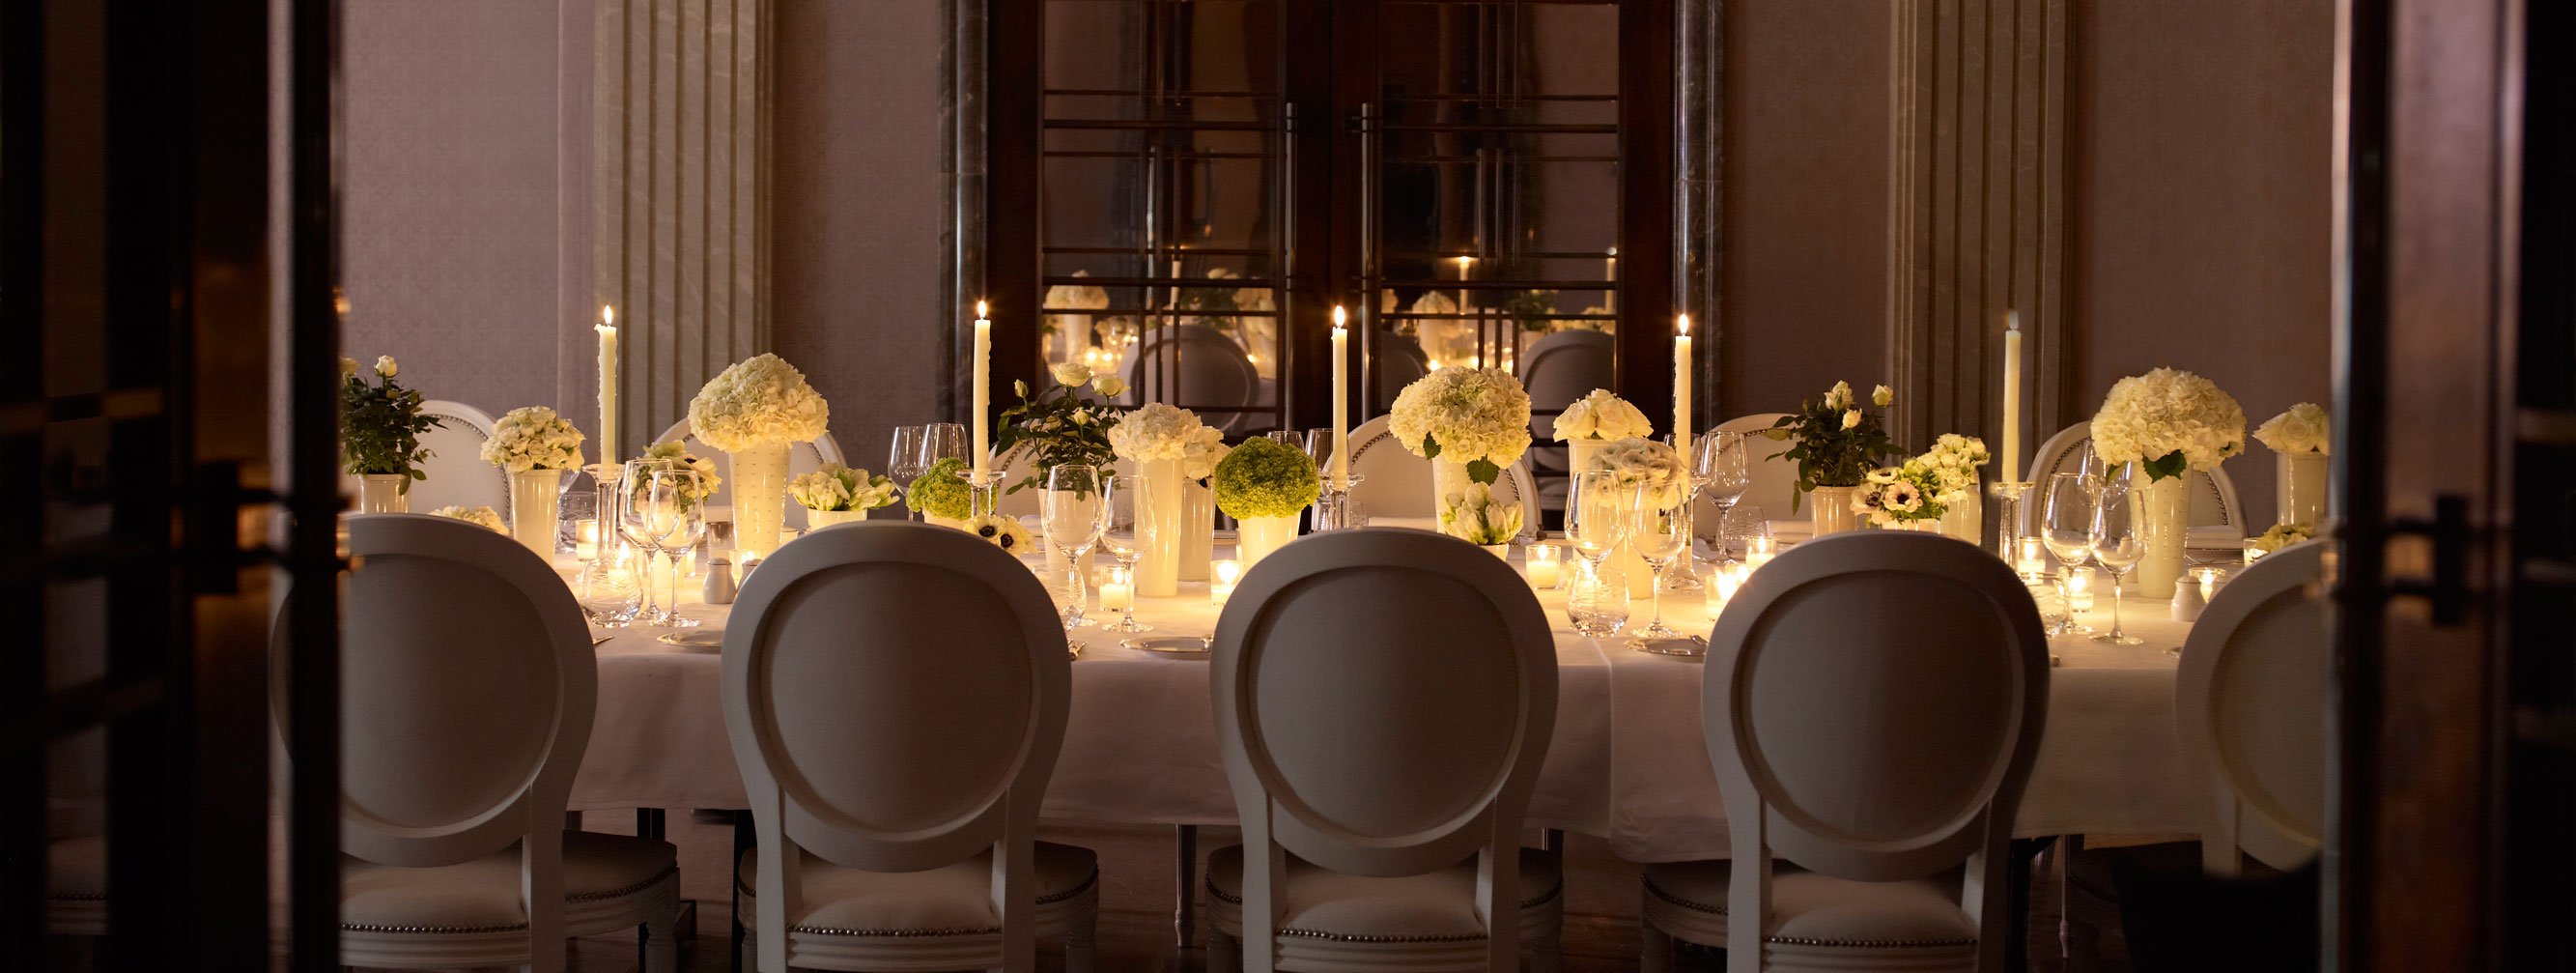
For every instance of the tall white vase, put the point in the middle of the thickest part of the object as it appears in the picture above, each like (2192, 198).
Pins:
(2301, 488)
(1198, 529)
(1447, 476)
(383, 493)
(1966, 519)
(1160, 507)
(1256, 537)
(2163, 520)
(759, 491)
(535, 505)
(1579, 453)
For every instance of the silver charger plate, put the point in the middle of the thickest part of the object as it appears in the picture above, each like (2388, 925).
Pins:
(1173, 645)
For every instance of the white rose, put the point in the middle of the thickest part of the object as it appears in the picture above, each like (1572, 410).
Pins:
(1882, 396)
(1851, 419)
(1072, 373)
(348, 369)
(1108, 386)
(385, 365)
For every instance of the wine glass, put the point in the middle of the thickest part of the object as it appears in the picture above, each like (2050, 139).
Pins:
(1073, 512)
(1659, 532)
(2117, 547)
(1599, 507)
(1125, 537)
(2066, 528)
(903, 458)
(939, 441)
(659, 516)
(1719, 469)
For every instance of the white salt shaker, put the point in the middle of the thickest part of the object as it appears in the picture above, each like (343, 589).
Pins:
(2188, 601)
(720, 587)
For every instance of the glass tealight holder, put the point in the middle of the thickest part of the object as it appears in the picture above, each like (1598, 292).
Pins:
(1759, 551)
(2079, 590)
(1723, 582)
(2211, 579)
(1223, 574)
(1545, 563)
(2253, 549)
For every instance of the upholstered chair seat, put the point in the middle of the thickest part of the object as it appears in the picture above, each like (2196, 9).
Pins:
(1822, 922)
(955, 899)
(601, 872)
(1433, 910)
(76, 887)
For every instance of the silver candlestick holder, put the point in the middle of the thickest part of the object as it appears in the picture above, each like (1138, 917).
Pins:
(983, 491)
(2009, 496)
(1334, 508)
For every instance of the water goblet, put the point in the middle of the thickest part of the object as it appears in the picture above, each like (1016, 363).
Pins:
(1599, 507)
(1660, 533)
(1125, 537)
(1073, 512)
(2066, 529)
(659, 514)
(2117, 547)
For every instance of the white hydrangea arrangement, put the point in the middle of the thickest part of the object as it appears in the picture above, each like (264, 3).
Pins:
(1479, 416)
(1474, 516)
(1648, 464)
(478, 516)
(838, 487)
(533, 438)
(763, 401)
(1076, 297)
(1952, 463)
(1160, 431)
(1602, 415)
(674, 454)
(1000, 531)
(2305, 428)
(2168, 421)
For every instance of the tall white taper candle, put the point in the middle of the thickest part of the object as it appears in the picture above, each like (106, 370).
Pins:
(1682, 386)
(607, 328)
(2012, 397)
(1341, 400)
(982, 455)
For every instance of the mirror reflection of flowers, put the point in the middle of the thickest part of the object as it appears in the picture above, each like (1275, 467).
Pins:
(1474, 516)
(1479, 416)
(2283, 535)
(478, 516)
(381, 423)
(674, 455)
(1837, 443)
(838, 487)
(1066, 423)
(1649, 465)
(1000, 531)
(1063, 298)
(533, 438)
(1265, 478)
(941, 491)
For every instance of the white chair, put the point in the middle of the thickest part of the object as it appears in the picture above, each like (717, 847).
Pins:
(2250, 705)
(467, 684)
(2217, 520)
(1198, 367)
(1872, 705)
(896, 694)
(1775, 481)
(454, 474)
(802, 458)
(1383, 700)
(1395, 486)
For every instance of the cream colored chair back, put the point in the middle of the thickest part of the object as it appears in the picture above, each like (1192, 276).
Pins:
(2250, 705)
(1395, 485)
(455, 474)
(1383, 700)
(1872, 705)
(1775, 481)
(896, 694)
(802, 458)
(2217, 520)
(1197, 367)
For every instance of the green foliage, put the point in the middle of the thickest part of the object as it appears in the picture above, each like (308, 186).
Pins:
(1265, 478)
(1826, 453)
(2164, 467)
(942, 491)
(1483, 471)
(1061, 425)
(380, 426)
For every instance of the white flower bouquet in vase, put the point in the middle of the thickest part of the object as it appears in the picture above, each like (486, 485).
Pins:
(1595, 421)
(1264, 484)
(1661, 479)
(1476, 517)
(537, 447)
(837, 494)
(1905, 497)
(2303, 438)
(2168, 423)
(1170, 448)
(1469, 422)
(754, 411)
(1836, 445)
(1950, 467)
(478, 516)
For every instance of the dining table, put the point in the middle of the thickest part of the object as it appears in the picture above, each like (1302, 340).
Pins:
(1628, 761)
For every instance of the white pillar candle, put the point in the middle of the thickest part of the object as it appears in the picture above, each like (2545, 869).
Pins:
(982, 455)
(1682, 386)
(1341, 400)
(1464, 263)
(2012, 397)
(1610, 273)
(607, 328)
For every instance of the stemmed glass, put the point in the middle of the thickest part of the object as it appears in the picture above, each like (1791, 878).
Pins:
(1719, 470)
(2117, 547)
(1659, 533)
(658, 516)
(1125, 538)
(1074, 511)
(1598, 505)
(903, 458)
(2066, 527)
(939, 441)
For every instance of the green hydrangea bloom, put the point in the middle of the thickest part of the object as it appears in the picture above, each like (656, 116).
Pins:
(941, 492)
(1265, 478)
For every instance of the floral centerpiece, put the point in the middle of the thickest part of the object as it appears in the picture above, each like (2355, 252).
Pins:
(1837, 444)
(1064, 424)
(1263, 484)
(2280, 536)
(1901, 495)
(478, 516)
(1169, 446)
(1602, 416)
(1469, 422)
(673, 454)
(837, 494)
(2167, 422)
(940, 494)
(1001, 531)
(1474, 516)
(380, 427)
(1952, 464)
(1660, 478)
(537, 447)
(2302, 437)
(753, 411)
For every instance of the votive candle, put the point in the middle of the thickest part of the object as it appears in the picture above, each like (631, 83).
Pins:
(1223, 574)
(1119, 591)
(1723, 585)
(2079, 590)
(1546, 564)
(1759, 551)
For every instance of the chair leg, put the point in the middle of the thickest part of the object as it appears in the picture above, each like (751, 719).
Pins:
(1224, 953)
(1657, 953)
(662, 939)
(1079, 949)
(1185, 874)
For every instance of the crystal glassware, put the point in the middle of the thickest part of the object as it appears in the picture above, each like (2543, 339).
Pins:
(2066, 529)
(1125, 537)
(659, 517)
(1073, 512)
(2117, 547)
(939, 441)
(1599, 515)
(1659, 535)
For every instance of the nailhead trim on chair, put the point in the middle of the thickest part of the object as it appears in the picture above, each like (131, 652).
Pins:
(1659, 893)
(1342, 938)
(1072, 893)
(1530, 903)
(363, 927)
(77, 896)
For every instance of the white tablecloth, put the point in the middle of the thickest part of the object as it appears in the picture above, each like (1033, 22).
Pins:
(1627, 763)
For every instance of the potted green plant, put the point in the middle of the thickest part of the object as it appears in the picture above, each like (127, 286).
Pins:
(380, 427)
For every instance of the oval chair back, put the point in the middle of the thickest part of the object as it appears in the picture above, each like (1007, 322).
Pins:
(2250, 705)
(2217, 520)
(1872, 706)
(1395, 361)
(1775, 481)
(802, 458)
(896, 696)
(455, 474)
(1559, 370)
(1199, 368)
(1395, 486)
(1383, 700)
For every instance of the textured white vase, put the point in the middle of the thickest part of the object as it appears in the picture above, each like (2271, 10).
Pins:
(1198, 530)
(1966, 519)
(818, 519)
(2300, 491)
(759, 496)
(1829, 509)
(1256, 537)
(382, 493)
(1447, 476)
(2163, 521)
(1160, 505)
(536, 502)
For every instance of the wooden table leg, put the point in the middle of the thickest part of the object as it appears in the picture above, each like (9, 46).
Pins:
(1185, 883)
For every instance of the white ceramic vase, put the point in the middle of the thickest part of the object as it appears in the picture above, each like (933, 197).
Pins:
(818, 519)
(1447, 476)
(759, 489)
(1198, 529)
(1161, 503)
(1829, 509)
(536, 503)
(383, 493)
(1256, 537)
(953, 523)
(2163, 519)
(1966, 519)
(2300, 491)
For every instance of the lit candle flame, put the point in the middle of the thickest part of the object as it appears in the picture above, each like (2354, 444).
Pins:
(607, 316)
(980, 310)
(1339, 317)
(1684, 320)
